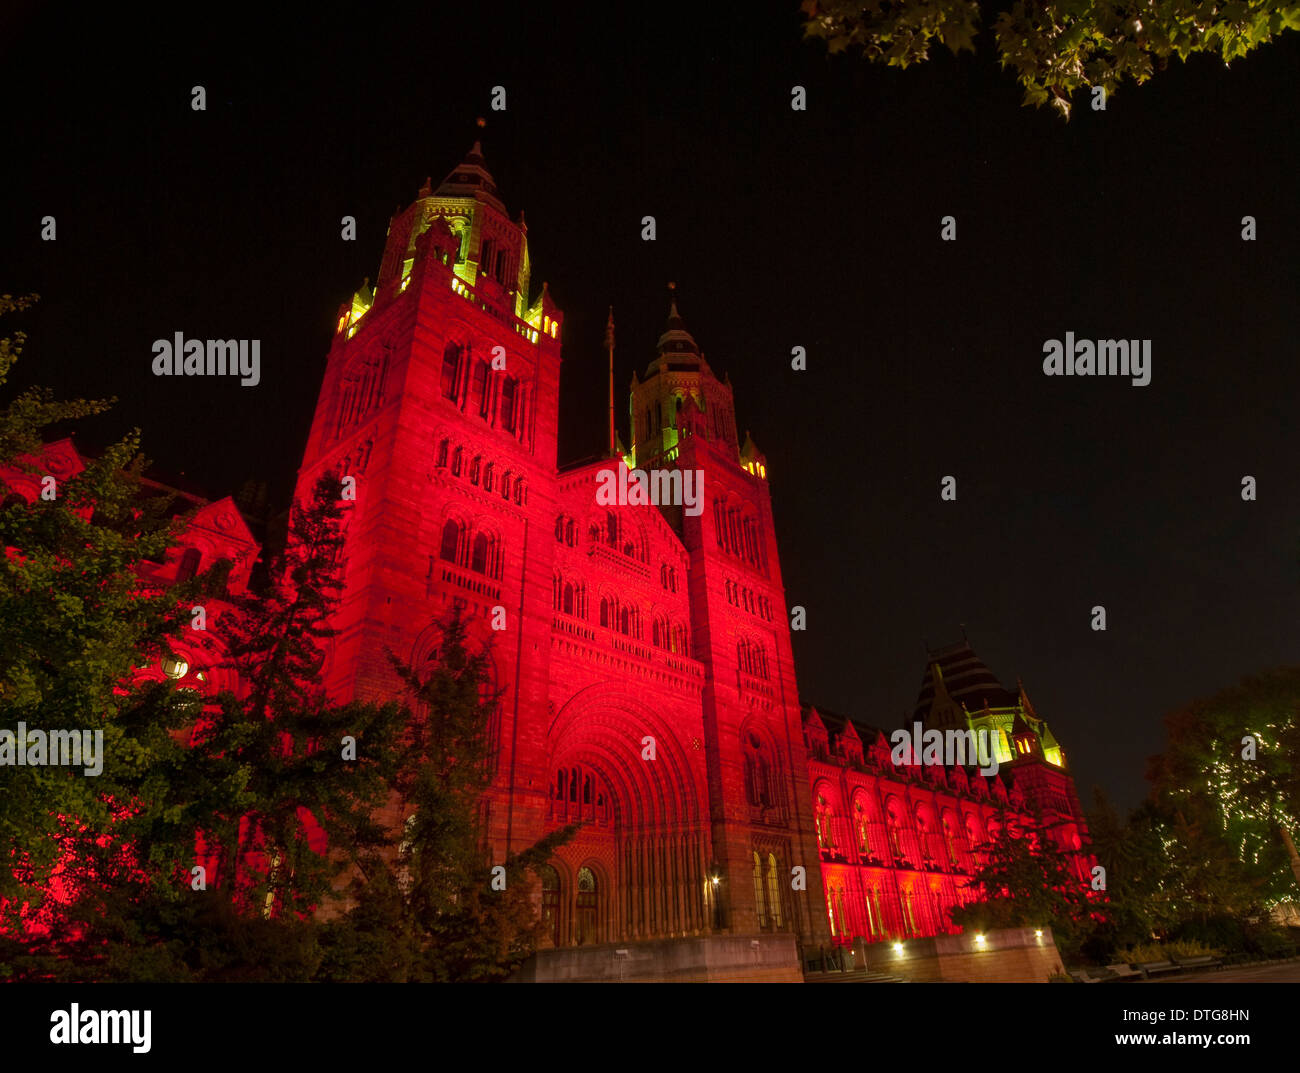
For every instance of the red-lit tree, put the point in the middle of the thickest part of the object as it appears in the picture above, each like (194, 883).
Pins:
(1025, 880)
(74, 625)
(437, 910)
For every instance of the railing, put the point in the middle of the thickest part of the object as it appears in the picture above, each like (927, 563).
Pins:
(748, 683)
(472, 582)
(573, 628)
(616, 559)
(508, 319)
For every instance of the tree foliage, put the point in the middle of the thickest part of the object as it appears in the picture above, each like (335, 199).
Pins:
(437, 904)
(1025, 880)
(74, 624)
(1057, 48)
(1231, 772)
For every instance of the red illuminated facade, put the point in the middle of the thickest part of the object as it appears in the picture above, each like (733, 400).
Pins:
(644, 651)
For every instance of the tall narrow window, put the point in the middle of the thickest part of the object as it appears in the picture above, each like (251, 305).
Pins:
(450, 370)
(507, 409)
(773, 890)
(895, 841)
(450, 541)
(551, 903)
(587, 921)
(759, 895)
(479, 560)
(909, 914)
(479, 391)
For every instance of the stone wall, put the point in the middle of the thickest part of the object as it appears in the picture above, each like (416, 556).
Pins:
(1012, 955)
(706, 959)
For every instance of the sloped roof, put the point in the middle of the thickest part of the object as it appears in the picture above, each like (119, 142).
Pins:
(967, 679)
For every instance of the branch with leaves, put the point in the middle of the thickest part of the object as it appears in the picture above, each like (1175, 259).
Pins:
(1055, 49)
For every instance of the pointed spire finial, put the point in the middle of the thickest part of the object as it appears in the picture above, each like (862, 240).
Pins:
(609, 346)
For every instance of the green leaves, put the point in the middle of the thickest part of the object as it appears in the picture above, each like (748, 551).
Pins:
(1055, 49)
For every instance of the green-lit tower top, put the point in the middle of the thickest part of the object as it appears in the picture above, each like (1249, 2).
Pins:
(680, 396)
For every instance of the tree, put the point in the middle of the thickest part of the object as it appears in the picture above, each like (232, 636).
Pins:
(1054, 48)
(438, 901)
(1231, 772)
(254, 786)
(1025, 880)
(74, 624)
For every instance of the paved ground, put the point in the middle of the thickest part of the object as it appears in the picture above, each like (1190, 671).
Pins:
(1287, 973)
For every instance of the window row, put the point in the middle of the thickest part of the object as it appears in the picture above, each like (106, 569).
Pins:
(614, 534)
(909, 922)
(579, 795)
(481, 474)
(670, 636)
(566, 531)
(737, 534)
(568, 597)
(474, 385)
(497, 262)
(361, 390)
(752, 657)
(940, 846)
(668, 577)
(586, 908)
(749, 600)
(624, 619)
(479, 552)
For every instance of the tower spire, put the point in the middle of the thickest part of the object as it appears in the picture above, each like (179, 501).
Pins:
(609, 345)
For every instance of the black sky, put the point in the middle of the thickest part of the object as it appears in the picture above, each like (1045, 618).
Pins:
(781, 228)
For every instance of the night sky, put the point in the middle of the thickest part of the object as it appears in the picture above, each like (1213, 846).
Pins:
(781, 228)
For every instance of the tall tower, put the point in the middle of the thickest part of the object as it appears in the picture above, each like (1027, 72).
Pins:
(645, 671)
(683, 417)
(440, 397)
